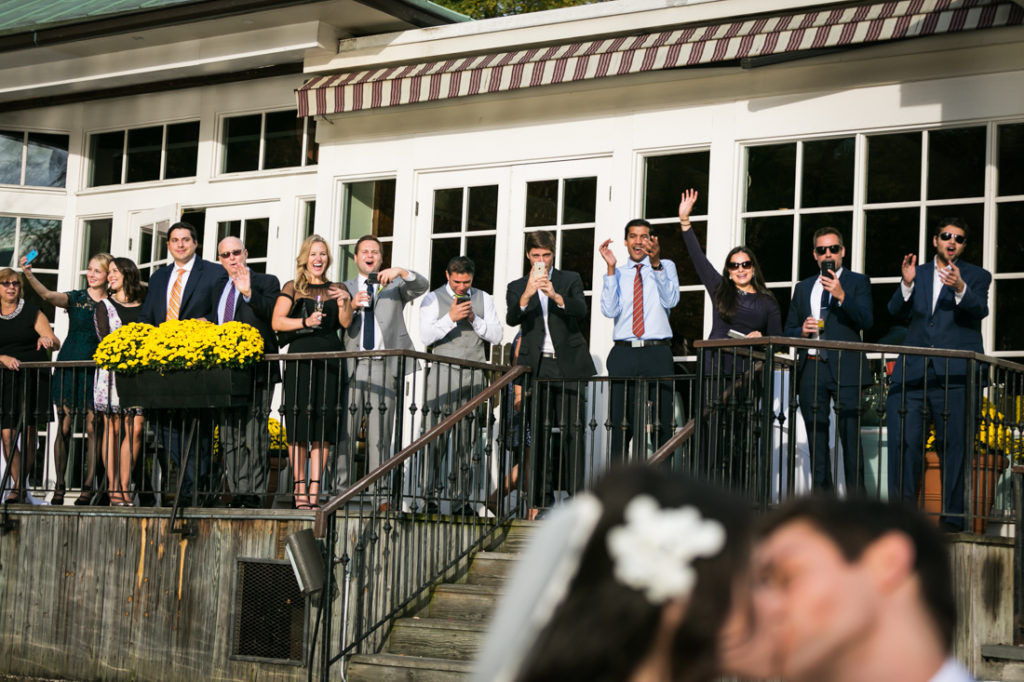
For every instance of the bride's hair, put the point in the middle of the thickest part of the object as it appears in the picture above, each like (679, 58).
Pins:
(603, 629)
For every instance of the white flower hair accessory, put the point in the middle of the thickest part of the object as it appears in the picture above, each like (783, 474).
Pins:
(654, 550)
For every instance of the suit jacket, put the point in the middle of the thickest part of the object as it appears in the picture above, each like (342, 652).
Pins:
(388, 311)
(842, 323)
(572, 354)
(195, 299)
(257, 311)
(950, 326)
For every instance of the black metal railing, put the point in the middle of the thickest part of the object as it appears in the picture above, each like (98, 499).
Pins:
(381, 553)
(852, 417)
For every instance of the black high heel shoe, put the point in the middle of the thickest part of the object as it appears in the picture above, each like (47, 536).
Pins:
(85, 498)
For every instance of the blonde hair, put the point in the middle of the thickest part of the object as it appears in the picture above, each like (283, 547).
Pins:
(301, 272)
(103, 258)
(5, 272)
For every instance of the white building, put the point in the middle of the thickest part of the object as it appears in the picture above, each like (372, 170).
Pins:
(876, 117)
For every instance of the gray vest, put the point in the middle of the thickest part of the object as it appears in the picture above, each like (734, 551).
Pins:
(461, 342)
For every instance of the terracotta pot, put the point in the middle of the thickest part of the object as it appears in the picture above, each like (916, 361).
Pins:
(987, 468)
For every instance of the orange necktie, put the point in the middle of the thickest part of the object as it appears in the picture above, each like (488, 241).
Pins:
(175, 303)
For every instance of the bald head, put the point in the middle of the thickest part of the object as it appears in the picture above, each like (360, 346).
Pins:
(232, 254)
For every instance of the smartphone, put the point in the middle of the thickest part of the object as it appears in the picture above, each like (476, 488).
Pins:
(539, 268)
(461, 298)
(828, 268)
(733, 334)
(31, 256)
(372, 278)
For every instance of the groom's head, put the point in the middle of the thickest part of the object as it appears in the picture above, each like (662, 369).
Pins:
(840, 581)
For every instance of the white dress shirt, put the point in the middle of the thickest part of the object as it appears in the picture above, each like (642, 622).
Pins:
(435, 324)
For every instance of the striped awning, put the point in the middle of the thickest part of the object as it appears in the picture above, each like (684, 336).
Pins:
(685, 46)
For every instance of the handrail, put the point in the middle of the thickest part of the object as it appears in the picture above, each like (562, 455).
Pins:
(859, 346)
(320, 525)
(686, 433)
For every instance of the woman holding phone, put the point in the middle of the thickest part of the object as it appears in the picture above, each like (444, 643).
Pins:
(72, 388)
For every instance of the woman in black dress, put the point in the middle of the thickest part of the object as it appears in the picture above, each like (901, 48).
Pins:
(742, 303)
(123, 424)
(71, 390)
(25, 336)
(309, 312)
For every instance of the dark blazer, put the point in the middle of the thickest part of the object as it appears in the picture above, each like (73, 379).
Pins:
(951, 326)
(195, 300)
(842, 323)
(257, 311)
(571, 350)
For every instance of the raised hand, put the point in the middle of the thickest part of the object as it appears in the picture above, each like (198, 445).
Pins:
(686, 202)
(654, 251)
(909, 268)
(609, 257)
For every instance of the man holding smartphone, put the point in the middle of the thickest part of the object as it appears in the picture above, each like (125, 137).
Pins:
(638, 296)
(456, 321)
(834, 305)
(379, 297)
(942, 303)
(548, 304)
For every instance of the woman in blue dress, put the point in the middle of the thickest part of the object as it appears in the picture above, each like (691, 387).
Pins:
(72, 387)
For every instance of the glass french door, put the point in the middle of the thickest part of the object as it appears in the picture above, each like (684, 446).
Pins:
(485, 214)
(257, 226)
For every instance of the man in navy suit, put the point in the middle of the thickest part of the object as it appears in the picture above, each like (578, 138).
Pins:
(834, 305)
(942, 303)
(181, 290)
(242, 295)
(549, 305)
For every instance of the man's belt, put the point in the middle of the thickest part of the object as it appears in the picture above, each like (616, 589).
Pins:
(644, 343)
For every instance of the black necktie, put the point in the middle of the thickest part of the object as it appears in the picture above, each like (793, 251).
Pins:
(368, 324)
(823, 312)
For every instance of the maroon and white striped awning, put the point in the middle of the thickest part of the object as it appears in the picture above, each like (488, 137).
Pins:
(681, 47)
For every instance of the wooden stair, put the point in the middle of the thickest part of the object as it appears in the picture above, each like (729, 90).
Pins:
(439, 643)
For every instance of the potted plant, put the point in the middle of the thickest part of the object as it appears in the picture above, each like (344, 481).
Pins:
(182, 363)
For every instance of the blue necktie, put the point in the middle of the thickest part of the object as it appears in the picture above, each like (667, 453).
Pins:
(368, 323)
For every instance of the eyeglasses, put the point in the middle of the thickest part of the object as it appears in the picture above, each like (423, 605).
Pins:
(10, 283)
(229, 254)
(834, 248)
(946, 236)
(744, 264)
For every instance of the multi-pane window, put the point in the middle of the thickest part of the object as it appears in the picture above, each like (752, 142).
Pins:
(885, 192)
(465, 222)
(567, 207)
(278, 139)
(34, 159)
(665, 177)
(1009, 237)
(307, 217)
(369, 209)
(18, 236)
(152, 247)
(95, 239)
(160, 152)
(254, 233)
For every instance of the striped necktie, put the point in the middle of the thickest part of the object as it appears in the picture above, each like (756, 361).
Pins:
(174, 304)
(229, 305)
(638, 304)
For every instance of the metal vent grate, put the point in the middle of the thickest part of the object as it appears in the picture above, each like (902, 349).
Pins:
(269, 613)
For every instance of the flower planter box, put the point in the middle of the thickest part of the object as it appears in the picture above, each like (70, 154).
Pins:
(986, 470)
(200, 388)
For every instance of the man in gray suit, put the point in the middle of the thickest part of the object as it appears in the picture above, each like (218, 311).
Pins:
(379, 297)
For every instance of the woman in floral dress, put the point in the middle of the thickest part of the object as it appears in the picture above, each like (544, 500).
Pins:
(123, 425)
(71, 390)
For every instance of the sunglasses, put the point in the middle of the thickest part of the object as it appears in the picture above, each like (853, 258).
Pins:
(229, 254)
(833, 248)
(745, 265)
(946, 236)
(10, 283)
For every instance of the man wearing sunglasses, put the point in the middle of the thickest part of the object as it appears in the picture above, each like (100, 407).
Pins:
(942, 303)
(833, 305)
(242, 295)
